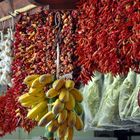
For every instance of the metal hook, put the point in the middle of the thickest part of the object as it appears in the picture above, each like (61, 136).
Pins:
(11, 14)
(58, 25)
(57, 19)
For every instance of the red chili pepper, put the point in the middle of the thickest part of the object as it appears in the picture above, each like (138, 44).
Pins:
(111, 30)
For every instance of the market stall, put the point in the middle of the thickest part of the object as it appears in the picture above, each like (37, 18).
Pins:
(69, 66)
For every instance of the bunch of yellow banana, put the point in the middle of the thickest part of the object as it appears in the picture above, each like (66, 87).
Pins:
(58, 109)
(35, 99)
(65, 111)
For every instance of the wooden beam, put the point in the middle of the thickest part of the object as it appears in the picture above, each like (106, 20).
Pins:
(21, 10)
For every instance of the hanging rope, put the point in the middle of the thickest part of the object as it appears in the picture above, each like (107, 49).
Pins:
(57, 42)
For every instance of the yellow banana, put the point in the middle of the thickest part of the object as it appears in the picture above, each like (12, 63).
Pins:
(61, 131)
(46, 119)
(29, 79)
(79, 123)
(51, 93)
(53, 126)
(29, 104)
(76, 94)
(27, 98)
(58, 107)
(69, 84)
(41, 100)
(23, 97)
(69, 133)
(71, 103)
(33, 102)
(36, 110)
(41, 114)
(62, 116)
(71, 118)
(78, 108)
(46, 79)
(58, 84)
(64, 95)
(36, 92)
(37, 84)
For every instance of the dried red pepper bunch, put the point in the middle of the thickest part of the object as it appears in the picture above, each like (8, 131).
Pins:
(10, 120)
(107, 37)
(21, 67)
(2, 114)
(34, 51)
(41, 43)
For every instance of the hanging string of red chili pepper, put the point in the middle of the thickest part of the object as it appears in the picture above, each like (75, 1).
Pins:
(34, 53)
(2, 113)
(108, 38)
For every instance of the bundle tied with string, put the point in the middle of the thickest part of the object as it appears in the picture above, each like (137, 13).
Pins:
(57, 42)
